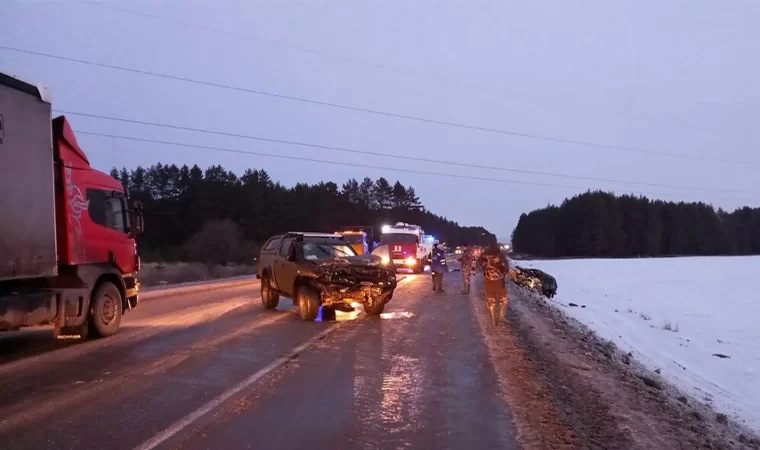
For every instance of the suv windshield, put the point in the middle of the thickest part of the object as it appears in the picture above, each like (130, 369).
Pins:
(398, 238)
(315, 251)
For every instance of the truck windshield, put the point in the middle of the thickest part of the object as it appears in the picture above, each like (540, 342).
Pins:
(398, 238)
(314, 251)
(354, 238)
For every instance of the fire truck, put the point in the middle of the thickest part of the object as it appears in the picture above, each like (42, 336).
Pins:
(410, 247)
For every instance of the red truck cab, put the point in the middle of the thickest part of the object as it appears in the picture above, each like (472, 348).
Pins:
(67, 230)
(91, 207)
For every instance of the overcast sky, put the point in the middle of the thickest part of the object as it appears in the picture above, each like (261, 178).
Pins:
(666, 76)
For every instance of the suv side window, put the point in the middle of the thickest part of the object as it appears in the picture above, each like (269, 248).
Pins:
(106, 210)
(285, 247)
(272, 244)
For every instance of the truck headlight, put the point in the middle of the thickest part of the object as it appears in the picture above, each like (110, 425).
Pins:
(385, 260)
(411, 261)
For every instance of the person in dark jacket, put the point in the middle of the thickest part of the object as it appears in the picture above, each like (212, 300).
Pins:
(466, 259)
(438, 267)
(495, 270)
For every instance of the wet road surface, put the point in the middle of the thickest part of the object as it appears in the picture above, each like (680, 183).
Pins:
(214, 370)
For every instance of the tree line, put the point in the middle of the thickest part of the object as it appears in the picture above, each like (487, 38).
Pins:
(600, 224)
(192, 214)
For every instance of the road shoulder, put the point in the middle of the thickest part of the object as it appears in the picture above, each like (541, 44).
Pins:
(538, 422)
(604, 396)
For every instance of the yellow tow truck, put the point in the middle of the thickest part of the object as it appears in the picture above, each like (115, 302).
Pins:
(357, 239)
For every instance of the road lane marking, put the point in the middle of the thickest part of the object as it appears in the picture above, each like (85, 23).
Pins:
(191, 418)
(155, 293)
(32, 409)
(147, 328)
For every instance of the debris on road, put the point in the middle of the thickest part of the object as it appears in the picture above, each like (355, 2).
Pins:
(535, 280)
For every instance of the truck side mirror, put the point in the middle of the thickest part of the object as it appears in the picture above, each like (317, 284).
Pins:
(139, 222)
(136, 217)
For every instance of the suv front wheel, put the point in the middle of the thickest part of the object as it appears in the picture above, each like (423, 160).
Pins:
(308, 303)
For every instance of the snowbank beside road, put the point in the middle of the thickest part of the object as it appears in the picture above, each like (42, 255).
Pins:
(695, 319)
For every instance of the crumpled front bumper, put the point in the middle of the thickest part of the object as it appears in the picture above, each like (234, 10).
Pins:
(336, 293)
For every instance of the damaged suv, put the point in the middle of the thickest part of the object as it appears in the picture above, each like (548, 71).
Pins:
(320, 269)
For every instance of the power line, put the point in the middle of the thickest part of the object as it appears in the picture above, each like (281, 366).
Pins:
(344, 163)
(286, 45)
(389, 155)
(333, 56)
(378, 112)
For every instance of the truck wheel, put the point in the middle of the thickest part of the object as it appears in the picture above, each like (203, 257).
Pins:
(105, 310)
(308, 303)
(269, 298)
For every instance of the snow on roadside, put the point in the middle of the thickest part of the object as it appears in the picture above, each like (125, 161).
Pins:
(676, 315)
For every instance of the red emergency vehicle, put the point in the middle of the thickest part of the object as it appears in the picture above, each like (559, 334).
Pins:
(409, 246)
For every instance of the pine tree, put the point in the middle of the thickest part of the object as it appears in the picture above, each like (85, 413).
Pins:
(382, 194)
(600, 224)
(351, 191)
(412, 201)
(365, 193)
(400, 199)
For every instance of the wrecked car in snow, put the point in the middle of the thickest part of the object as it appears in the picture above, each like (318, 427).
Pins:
(323, 270)
(535, 280)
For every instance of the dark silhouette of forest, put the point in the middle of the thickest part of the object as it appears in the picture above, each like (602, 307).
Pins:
(600, 224)
(214, 215)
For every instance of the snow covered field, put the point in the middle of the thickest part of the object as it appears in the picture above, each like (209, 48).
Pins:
(676, 314)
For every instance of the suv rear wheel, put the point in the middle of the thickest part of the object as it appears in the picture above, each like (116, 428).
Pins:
(269, 298)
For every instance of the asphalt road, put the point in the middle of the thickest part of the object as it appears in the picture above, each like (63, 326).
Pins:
(213, 369)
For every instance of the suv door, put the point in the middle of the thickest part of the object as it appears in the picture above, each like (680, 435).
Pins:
(286, 266)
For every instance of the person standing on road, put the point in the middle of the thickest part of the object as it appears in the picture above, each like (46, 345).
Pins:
(495, 270)
(466, 259)
(438, 267)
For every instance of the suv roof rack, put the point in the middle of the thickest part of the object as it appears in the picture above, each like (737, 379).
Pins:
(315, 235)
